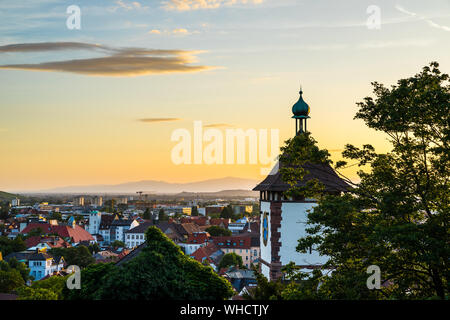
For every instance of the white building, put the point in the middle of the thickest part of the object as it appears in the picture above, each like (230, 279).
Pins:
(42, 264)
(136, 236)
(15, 202)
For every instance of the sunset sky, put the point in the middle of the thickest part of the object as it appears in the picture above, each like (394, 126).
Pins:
(99, 105)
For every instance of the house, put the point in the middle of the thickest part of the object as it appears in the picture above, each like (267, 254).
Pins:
(48, 242)
(220, 222)
(136, 236)
(119, 227)
(240, 278)
(210, 254)
(104, 229)
(70, 232)
(42, 264)
(194, 241)
(246, 246)
(198, 220)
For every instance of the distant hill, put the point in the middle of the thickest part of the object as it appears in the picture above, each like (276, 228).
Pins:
(220, 194)
(5, 196)
(161, 187)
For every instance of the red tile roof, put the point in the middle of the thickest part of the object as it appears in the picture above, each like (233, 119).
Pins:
(233, 242)
(204, 252)
(198, 237)
(35, 240)
(76, 234)
(219, 221)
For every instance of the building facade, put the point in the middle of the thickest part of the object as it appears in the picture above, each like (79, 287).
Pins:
(284, 220)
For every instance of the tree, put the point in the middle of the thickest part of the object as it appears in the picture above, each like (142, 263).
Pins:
(26, 293)
(216, 231)
(265, 289)
(10, 280)
(56, 216)
(54, 285)
(93, 278)
(397, 217)
(8, 246)
(33, 233)
(79, 256)
(118, 244)
(227, 212)
(23, 269)
(147, 214)
(162, 216)
(194, 211)
(94, 248)
(230, 259)
(143, 278)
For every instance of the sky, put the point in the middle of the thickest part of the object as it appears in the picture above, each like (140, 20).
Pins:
(98, 105)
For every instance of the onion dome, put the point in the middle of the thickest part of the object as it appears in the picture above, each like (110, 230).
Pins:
(300, 109)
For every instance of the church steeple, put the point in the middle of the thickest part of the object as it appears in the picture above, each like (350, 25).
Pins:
(301, 113)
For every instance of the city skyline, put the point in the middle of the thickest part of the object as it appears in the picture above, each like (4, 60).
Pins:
(67, 119)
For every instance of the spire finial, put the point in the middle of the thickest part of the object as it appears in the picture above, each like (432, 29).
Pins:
(301, 90)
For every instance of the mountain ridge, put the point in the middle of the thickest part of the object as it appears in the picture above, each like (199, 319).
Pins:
(158, 186)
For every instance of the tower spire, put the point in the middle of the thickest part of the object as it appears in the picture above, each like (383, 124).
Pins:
(301, 113)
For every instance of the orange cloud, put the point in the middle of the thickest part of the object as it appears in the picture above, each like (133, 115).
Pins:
(118, 62)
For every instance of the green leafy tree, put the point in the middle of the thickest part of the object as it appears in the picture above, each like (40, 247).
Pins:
(92, 279)
(23, 269)
(162, 216)
(230, 259)
(8, 246)
(118, 244)
(94, 248)
(10, 280)
(227, 212)
(56, 216)
(194, 211)
(33, 233)
(147, 214)
(27, 293)
(265, 289)
(79, 256)
(216, 231)
(397, 217)
(143, 278)
(54, 284)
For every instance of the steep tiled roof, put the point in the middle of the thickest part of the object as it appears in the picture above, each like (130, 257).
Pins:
(322, 172)
(51, 241)
(198, 237)
(140, 228)
(207, 252)
(40, 256)
(218, 221)
(233, 242)
(76, 234)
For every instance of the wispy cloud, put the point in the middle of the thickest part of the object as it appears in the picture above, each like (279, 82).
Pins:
(127, 6)
(175, 32)
(420, 17)
(117, 62)
(153, 120)
(186, 5)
